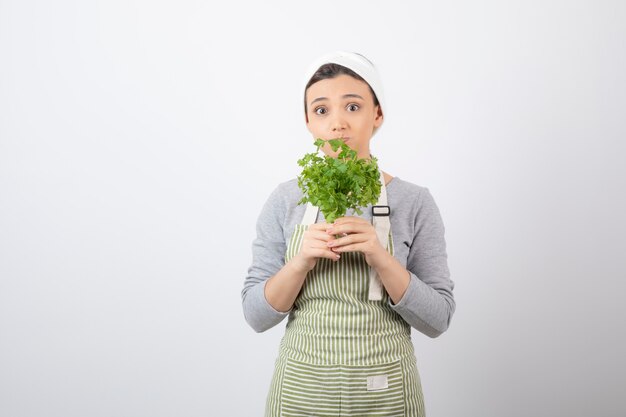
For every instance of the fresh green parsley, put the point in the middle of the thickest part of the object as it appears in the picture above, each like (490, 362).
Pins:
(338, 184)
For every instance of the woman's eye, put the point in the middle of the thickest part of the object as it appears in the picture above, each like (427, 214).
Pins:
(322, 109)
(353, 107)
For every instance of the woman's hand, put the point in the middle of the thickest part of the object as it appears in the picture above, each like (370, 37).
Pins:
(358, 235)
(314, 246)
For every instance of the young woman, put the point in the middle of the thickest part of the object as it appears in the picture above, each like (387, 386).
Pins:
(352, 290)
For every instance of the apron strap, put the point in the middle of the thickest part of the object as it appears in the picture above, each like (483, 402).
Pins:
(380, 220)
(310, 215)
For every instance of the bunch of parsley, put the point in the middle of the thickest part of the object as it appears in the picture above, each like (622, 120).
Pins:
(338, 184)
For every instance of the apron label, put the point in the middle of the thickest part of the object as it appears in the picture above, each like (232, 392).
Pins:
(377, 382)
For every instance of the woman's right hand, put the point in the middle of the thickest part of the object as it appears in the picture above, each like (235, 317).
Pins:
(314, 246)
(282, 289)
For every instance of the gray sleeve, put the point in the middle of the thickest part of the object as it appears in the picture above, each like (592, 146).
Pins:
(268, 257)
(428, 303)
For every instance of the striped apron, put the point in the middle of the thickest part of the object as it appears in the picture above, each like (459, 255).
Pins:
(343, 354)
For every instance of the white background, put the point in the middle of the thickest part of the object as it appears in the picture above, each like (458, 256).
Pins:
(139, 140)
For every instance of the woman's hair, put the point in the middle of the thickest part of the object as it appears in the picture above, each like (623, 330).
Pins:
(332, 70)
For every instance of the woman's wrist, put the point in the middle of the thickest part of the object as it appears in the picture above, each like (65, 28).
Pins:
(379, 258)
(299, 265)
(282, 289)
(394, 277)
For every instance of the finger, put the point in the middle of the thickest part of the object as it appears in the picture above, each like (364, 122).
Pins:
(330, 255)
(355, 247)
(318, 244)
(349, 219)
(320, 251)
(320, 226)
(318, 235)
(347, 240)
(351, 227)
(315, 244)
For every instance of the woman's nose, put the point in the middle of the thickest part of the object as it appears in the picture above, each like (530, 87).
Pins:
(338, 124)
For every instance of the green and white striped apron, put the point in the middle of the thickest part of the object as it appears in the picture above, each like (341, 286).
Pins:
(344, 352)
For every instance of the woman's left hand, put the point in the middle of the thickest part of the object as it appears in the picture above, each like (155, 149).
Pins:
(358, 235)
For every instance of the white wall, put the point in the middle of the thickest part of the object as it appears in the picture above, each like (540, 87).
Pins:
(139, 140)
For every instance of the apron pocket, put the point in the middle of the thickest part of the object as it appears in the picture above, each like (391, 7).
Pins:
(373, 390)
(333, 390)
(311, 390)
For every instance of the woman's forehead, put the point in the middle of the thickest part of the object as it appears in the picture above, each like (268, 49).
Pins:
(340, 87)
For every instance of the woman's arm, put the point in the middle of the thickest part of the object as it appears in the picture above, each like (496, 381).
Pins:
(272, 286)
(428, 303)
(268, 257)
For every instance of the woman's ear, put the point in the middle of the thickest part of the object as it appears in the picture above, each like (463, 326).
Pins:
(308, 124)
(379, 116)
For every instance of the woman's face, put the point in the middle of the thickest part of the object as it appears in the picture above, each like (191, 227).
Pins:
(342, 107)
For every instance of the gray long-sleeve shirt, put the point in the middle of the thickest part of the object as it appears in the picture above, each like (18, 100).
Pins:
(419, 245)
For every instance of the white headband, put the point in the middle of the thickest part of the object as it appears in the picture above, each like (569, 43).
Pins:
(357, 63)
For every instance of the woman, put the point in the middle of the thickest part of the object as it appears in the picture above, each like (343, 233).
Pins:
(352, 289)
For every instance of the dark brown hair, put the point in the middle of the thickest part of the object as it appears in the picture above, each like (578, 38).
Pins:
(332, 70)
